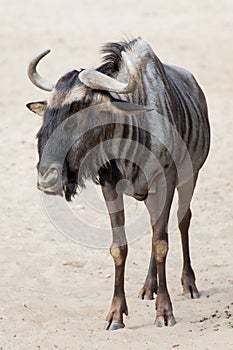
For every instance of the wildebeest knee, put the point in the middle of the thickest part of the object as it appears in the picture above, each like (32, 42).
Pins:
(160, 250)
(118, 253)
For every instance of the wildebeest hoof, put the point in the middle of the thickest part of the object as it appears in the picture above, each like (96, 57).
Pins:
(192, 293)
(189, 287)
(149, 289)
(147, 294)
(190, 290)
(162, 321)
(113, 326)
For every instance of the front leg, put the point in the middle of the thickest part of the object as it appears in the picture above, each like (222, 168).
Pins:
(159, 205)
(118, 250)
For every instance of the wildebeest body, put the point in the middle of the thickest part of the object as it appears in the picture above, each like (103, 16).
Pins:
(156, 148)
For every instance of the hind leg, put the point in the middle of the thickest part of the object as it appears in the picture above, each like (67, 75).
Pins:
(150, 286)
(184, 217)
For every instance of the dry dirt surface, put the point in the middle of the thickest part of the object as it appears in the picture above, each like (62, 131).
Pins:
(54, 293)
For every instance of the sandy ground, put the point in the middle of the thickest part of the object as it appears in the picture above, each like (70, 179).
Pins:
(54, 293)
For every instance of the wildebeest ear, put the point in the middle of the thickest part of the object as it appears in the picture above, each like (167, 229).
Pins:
(127, 107)
(37, 107)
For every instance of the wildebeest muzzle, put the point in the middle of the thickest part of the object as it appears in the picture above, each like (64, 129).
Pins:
(50, 179)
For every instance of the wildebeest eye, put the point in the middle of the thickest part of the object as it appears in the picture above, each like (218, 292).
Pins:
(75, 107)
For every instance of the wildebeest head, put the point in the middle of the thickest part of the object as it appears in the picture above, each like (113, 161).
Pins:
(74, 91)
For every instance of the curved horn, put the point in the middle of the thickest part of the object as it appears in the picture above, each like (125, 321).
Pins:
(96, 80)
(35, 77)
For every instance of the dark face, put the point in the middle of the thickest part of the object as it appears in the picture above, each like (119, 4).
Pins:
(60, 146)
(54, 137)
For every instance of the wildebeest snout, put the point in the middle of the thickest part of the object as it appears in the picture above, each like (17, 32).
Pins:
(49, 179)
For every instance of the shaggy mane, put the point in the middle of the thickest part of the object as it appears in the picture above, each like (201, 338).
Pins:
(112, 56)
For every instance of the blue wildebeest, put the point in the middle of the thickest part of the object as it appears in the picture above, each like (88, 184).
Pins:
(161, 108)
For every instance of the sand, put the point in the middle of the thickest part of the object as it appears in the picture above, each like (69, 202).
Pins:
(54, 293)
